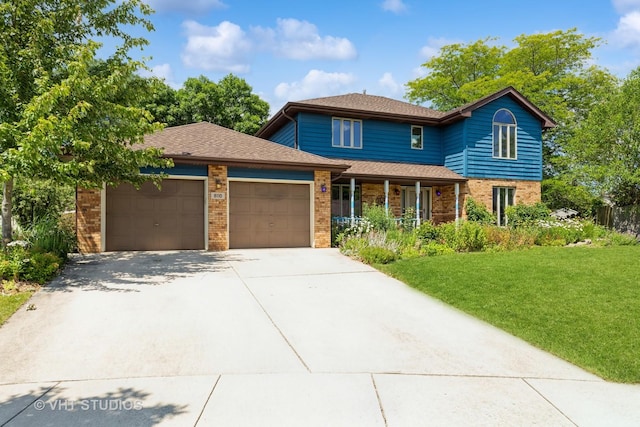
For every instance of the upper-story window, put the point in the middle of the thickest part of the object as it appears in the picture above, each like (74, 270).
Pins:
(505, 135)
(416, 137)
(347, 133)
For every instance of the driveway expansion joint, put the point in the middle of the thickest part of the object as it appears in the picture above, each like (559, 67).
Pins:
(549, 402)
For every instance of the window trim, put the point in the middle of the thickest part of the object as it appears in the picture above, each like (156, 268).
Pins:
(357, 201)
(421, 137)
(351, 132)
(510, 127)
(496, 209)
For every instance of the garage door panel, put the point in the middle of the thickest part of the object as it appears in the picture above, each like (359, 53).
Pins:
(269, 215)
(153, 219)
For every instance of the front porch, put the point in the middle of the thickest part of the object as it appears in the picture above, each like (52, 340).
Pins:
(428, 193)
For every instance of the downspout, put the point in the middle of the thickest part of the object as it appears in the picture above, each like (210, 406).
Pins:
(295, 129)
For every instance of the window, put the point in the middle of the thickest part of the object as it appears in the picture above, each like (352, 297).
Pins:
(502, 197)
(341, 200)
(347, 133)
(505, 135)
(416, 137)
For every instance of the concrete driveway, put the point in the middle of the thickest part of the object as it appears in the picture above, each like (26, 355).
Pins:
(292, 337)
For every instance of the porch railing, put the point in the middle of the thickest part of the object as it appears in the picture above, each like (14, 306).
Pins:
(346, 221)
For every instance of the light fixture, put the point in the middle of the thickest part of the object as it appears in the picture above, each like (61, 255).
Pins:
(438, 193)
(218, 183)
(323, 187)
(396, 191)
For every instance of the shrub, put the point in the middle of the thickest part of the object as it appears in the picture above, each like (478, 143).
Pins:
(477, 212)
(524, 215)
(377, 255)
(378, 217)
(41, 267)
(409, 219)
(470, 237)
(501, 238)
(621, 239)
(50, 234)
(434, 248)
(447, 234)
(427, 231)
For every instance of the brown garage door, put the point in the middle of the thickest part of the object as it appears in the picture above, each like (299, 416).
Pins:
(269, 215)
(152, 219)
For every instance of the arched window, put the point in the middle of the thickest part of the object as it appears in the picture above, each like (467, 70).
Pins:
(505, 135)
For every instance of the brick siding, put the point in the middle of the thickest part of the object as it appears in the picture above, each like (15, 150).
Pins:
(88, 220)
(322, 210)
(217, 209)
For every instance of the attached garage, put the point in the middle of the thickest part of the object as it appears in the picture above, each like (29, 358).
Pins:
(269, 215)
(226, 190)
(156, 219)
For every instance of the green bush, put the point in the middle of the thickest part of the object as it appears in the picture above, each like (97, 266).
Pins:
(427, 231)
(524, 215)
(620, 239)
(501, 238)
(409, 219)
(378, 217)
(434, 248)
(470, 237)
(41, 267)
(447, 234)
(50, 234)
(477, 212)
(377, 255)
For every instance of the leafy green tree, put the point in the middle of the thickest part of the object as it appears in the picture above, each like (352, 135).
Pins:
(551, 69)
(606, 148)
(64, 115)
(229, 103)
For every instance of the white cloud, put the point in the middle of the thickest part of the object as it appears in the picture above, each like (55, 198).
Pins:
(161, 71)
(316, 83)
(418, 72)
(432, 48)
(294, 39)
(220, 48)
(389, 85)
(188, 6)
(628, 31)
(395, 6)
(623, 6)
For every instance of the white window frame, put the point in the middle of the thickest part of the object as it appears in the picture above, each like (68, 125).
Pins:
(341, 144)
(421, 137)
(509, 128)
(502, 197)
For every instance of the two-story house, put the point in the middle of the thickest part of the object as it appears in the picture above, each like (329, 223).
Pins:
(406, 156)
(319, 159)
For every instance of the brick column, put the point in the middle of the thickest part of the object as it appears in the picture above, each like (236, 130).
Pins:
(322, 210)
(88, 220)
(217, 209)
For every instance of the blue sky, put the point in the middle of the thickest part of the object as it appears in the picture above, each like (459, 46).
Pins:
(293, 50)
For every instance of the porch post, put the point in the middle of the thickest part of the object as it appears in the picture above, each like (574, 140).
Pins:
(386, 196)
(457, 186)
(417, 204)
(352, 201)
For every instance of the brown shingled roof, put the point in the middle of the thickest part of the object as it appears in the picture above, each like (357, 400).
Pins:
(374, 104)
(361, 106)
(399, 171)
(212, 143)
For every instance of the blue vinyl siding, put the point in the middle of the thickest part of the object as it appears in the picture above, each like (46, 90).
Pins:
(270, 174)
(285, 135)
(453, 147)
(178, 169)
(479, 144)
(383, 141)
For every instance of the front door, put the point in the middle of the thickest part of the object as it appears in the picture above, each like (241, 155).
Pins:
(409, 201)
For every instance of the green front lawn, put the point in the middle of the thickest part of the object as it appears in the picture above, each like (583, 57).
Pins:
(580, 303)
(9, 304)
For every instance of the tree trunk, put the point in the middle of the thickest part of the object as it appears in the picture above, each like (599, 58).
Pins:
(7, 195)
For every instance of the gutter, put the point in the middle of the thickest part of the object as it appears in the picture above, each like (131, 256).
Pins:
(295, 129)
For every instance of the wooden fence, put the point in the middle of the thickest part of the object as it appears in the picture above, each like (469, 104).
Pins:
(625, 219)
